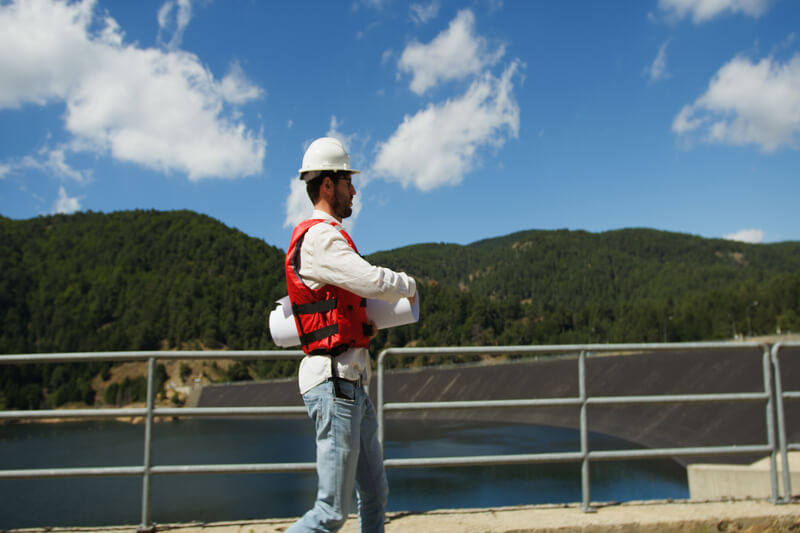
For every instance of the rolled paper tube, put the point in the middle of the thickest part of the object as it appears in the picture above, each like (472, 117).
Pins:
(385, 315)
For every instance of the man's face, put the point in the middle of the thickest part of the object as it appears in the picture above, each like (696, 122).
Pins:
(343, 192)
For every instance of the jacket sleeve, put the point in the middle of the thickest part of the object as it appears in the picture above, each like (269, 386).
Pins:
(333, 261)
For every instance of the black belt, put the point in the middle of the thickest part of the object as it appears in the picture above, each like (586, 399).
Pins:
(357, 383)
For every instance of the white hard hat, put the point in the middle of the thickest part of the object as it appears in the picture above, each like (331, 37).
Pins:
(326, 153)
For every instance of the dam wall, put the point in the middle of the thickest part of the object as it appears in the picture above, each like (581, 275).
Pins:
(651, 425)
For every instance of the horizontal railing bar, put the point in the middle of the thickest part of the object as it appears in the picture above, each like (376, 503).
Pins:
(610, 455)
(228, 411)
(163, 469)
(72, 413)
(571, 348)
(571, 402)
(487, 404)
(791, 394)
(82, 357)
(678, 398)
(89, 471)
(245, 468)
(484, 460)
(162, 411)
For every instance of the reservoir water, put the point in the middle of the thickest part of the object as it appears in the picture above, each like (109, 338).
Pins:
(193, 497)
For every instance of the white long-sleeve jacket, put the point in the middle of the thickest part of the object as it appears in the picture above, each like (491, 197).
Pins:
(327, 259)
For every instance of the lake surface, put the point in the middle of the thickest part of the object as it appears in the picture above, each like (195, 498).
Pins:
(193, 497)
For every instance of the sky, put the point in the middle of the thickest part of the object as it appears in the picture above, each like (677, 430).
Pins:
(468, 120)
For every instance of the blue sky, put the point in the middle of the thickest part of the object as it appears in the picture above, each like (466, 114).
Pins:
(469, 120)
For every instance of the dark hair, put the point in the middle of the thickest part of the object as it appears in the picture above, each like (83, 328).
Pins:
(312, 188)
(314, 184)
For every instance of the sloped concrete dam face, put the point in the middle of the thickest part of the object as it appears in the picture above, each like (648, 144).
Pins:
(653, 425)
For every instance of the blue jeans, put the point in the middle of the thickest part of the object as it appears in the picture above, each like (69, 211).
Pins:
(349, 457)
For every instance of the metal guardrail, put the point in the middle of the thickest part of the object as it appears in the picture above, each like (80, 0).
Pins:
(582, 401)
(147, 470)
(780, 395)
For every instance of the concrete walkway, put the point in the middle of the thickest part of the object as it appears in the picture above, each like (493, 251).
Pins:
(751, 516)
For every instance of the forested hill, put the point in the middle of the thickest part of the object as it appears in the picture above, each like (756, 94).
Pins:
(141, 280)
(133, 280)
(163, 280)
(630, 285)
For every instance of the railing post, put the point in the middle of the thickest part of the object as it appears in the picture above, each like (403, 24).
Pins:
(381, 356)
(778, 387)
(146, 525)
(770, 419)
(586, 489)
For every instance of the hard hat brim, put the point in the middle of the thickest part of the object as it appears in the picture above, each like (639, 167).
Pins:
(308, 174)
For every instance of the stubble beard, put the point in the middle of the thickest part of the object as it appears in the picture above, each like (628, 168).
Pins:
(341, 206)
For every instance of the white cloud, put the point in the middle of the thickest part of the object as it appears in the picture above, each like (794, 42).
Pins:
(174, 17)
(52, 161)
(373, 4)
(43, 49)
(298, 206)
(160, 109)
(684, 122)
(4, 169)
(705, 10)
(66, 204)
(658, 69)
(56, 162)
(456, 53)
(748, 103)
(746, 235)
(236, 88)
(422, 14)
(439, 144)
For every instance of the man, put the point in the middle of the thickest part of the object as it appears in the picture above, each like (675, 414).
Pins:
(328, 284)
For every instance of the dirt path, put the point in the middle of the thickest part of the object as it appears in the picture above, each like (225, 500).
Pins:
(633, 517)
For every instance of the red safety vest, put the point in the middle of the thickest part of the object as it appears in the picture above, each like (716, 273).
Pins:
(330, 320)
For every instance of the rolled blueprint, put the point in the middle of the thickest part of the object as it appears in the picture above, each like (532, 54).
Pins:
(384, 314)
